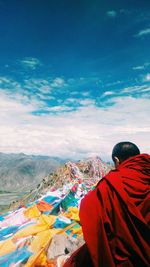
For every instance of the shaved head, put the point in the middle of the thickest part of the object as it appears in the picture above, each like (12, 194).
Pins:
(124, 150)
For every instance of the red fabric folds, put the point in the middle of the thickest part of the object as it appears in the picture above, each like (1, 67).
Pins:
(115, 216)
(80, 258)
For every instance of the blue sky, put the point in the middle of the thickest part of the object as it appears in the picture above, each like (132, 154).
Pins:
(74, 76)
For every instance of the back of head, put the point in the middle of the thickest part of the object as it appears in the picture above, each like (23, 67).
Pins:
(124, 150)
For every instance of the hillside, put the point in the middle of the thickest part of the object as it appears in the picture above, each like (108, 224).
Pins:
(23, 172)
(90, 171)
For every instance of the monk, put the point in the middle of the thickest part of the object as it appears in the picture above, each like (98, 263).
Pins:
(115, 216)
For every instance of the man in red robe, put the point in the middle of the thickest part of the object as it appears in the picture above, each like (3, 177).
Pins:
(115, 216)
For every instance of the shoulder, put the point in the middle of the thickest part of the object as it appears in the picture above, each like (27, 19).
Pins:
(104, 183)
(101, 188)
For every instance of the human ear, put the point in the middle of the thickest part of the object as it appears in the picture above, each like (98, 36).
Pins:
(117, 161)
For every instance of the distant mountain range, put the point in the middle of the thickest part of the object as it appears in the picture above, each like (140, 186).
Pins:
(20, 172)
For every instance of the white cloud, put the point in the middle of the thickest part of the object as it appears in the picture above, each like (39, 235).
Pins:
(114, 13)
(140, 90)
(111, 13)
(143, 32)
(4, 80)
(8, 83)
(134, 89)
(107, 93)
(85, 93)
(70, 100)
(147, 77)
(43, 96)
(87, 102)
(74, 93)
(17, 104)
(137, 90)
(139, 67)
(113, 83)
(30, 62)
(41, 85)
(58, 82)
(90, 130)
(59, 108)
(80, 101)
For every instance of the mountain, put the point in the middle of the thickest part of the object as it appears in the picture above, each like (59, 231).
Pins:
(89, 171)
(23, 172)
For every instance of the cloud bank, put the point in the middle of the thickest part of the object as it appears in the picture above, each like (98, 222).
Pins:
(86, 131)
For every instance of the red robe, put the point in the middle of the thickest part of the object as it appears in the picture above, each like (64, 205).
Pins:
(115, 218)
